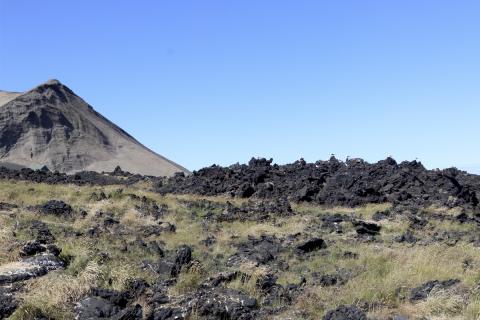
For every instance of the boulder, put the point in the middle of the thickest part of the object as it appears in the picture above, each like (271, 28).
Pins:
(8, 304)
(257, 250)
(107, 304)
(345, 313)
(56, 207)
(221, 303)
(43, 234)
(407, 237)
(313, 244)
(422, 292)
(32, 248)
(366, 228)
(183, 257)
(30, 267)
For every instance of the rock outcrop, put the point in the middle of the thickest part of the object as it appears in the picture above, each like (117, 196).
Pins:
(333, 182)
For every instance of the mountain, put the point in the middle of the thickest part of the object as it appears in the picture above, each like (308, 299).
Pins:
(51, 126)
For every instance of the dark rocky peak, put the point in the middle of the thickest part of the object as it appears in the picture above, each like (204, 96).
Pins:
(53, 85)
(51, 92)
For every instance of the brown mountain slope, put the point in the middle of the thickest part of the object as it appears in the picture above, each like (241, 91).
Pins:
(6, 96)
(50, 125)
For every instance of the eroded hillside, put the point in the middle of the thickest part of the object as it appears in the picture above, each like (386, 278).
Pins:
(51, 126)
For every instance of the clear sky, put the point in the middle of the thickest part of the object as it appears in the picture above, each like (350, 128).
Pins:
(205, 82)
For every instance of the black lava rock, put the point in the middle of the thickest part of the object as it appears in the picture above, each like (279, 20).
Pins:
(333, 182)
(311, 245)
(32, 248)
(43, 234)
(258, 250)
(56, 207)
(366, 228)
(407, 237)
(8, 304)
(103, 303)
(346, 313)
(328, 280)
(183, 257)
(422, 292)
(380, 215)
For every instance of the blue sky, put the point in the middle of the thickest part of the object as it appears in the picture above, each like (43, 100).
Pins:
(205, 82)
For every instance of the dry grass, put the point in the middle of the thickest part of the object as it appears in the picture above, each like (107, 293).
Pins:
(383, 272)
(54, 293)
(187, 282)
(248, 285)
(442, 210)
